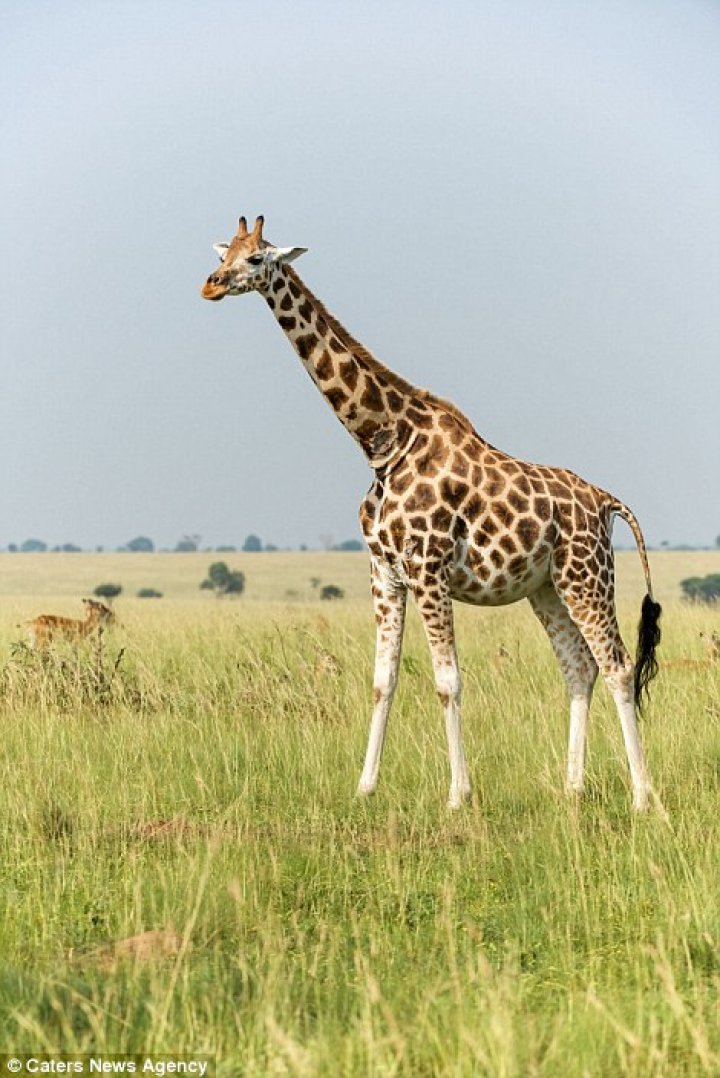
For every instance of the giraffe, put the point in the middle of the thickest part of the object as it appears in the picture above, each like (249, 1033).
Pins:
(450, 517)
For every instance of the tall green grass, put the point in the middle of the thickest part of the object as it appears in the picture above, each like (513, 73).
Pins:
(195, 775)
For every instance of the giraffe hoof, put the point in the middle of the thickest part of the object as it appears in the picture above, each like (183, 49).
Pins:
(459, 800)
(364, 790)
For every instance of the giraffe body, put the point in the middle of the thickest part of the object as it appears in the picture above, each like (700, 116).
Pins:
(449, 517)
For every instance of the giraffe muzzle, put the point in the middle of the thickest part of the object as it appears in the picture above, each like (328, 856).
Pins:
(213, 289)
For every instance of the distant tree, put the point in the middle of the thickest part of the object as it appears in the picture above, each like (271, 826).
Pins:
(149, 593)
(218, 574)
(717, 541)
(225, 549)
(252, 544)
(224, 581)
(189, 544)
(12, 548)
(69, 548)
(702, 589)
(108, 591)
(349, 544)
(331, 591)
(33, 546)
(141, 545)
(235, 583)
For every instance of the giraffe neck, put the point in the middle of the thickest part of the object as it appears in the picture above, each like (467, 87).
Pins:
(374, 404)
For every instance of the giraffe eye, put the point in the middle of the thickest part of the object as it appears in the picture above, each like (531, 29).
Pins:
(255, 260)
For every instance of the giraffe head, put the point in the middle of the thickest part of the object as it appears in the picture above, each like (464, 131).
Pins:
(248, 263)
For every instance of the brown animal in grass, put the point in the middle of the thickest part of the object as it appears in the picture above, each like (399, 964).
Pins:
(712, 646)
(712, 655)
(45, 628)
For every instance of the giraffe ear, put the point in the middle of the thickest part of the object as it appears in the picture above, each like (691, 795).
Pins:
(288, 254)
(221, 249)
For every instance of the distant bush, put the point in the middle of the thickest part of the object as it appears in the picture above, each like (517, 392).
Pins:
(188, 544)
(350, 544)
(224, 581)
(331, 591)
(235, 584)
(252, 544)
(141, 545)
(33, 546)
(702, 589)
(149, 593)
(108, 591)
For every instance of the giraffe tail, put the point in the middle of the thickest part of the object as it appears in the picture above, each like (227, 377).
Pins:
(649, 633)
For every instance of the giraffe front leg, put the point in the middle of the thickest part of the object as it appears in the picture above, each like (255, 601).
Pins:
(389, 600)
(435, 606)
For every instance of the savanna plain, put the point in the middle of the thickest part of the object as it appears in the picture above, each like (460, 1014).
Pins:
(185, 867)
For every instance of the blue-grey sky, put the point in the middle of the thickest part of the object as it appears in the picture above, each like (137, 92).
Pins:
(512, 203)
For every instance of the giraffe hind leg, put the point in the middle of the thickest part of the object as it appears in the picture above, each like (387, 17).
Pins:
(579, 670)
(594, 615)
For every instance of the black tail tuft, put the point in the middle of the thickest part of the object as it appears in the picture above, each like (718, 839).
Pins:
(649, 634)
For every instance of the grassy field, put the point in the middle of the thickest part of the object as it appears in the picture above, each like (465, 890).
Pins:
(185, 868)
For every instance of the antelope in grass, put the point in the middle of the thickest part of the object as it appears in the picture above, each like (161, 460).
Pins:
(712, 646)
(712, 655)
(46, 627)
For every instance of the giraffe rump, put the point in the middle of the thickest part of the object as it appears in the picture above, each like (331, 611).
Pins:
(646, 666)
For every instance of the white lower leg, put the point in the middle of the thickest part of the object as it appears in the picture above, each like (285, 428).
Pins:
(437, 615)
(447, 680)
(579, 707)
(633, 747)
(460, 785)
(390, 615)
(376, 740)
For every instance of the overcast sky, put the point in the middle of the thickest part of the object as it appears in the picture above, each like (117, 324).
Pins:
(513, 203)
